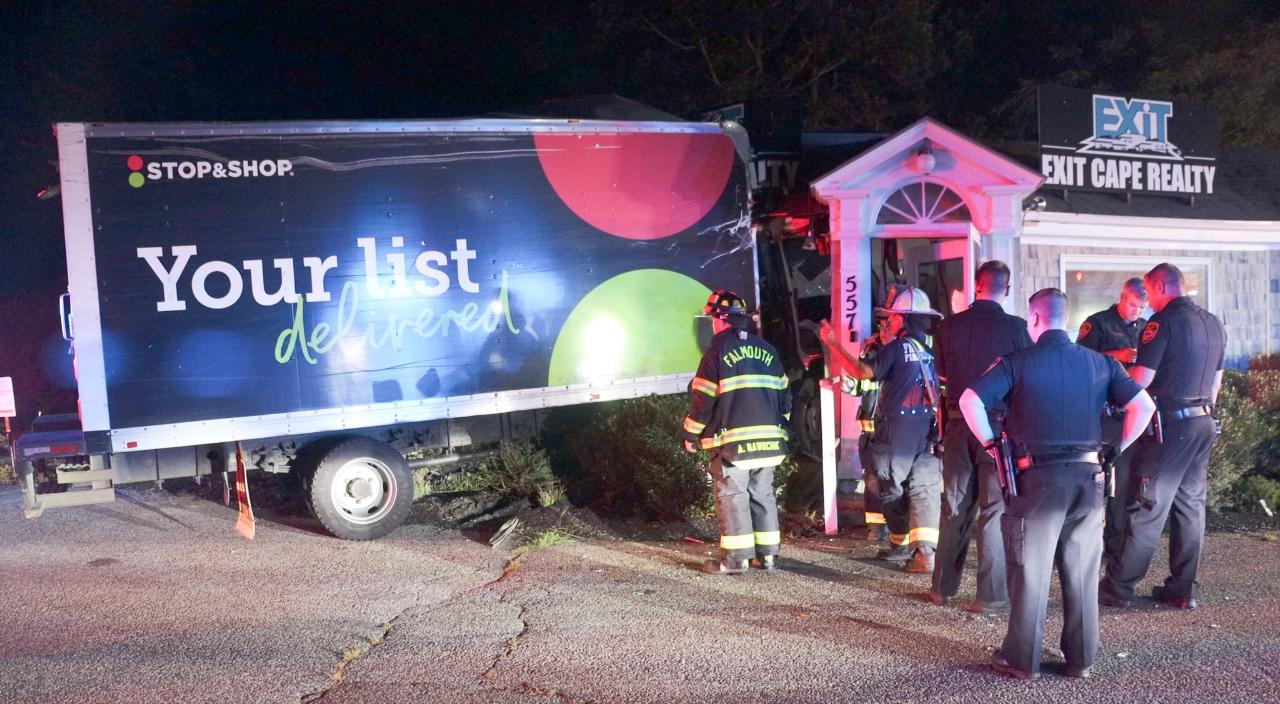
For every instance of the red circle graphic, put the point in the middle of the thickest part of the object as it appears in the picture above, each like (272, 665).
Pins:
(135, 162)
(637, 186)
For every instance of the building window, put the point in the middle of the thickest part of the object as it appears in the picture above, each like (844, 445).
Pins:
(1093, 283)
(923, 203)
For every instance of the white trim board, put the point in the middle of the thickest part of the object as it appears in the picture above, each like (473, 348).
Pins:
(1073, 229)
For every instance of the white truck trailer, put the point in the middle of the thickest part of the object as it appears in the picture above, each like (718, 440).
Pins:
(331, 295)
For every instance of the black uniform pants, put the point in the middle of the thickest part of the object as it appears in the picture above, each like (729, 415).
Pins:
(1055, 520)
(969, 486)
(1117, 516)
(1167, 479)
(909, 479)
(747, 510)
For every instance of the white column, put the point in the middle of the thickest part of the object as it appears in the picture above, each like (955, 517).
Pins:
(851, 301)
(1003, 240)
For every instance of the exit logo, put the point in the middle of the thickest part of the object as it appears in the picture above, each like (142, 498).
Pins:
(1137, 126)
(140, 171)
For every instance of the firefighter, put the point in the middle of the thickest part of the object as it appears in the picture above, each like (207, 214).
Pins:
(1114, 332)
(967, 343)
(740, 403)
(869, 391)
(908, 474)
(1180, 359)
(1055, 392)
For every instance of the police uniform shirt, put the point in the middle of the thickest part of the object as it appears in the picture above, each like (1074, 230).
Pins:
(1055, 391)
(898, 367)
(1105, 331)
(1185, 345)
(970, 340)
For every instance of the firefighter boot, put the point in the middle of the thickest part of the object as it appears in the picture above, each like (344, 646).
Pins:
(897, 553)
(725, 566)
(768, 563)
(920, 563)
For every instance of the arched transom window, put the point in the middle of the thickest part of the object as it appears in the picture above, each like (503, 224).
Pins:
(923, 203)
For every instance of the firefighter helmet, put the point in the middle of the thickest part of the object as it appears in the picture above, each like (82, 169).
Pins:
(908, 300)
(724, 303)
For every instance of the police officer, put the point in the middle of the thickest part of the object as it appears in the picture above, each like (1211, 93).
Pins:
(1055, 392)
(740, 401)
(1114, 332)
(967, 344)
(1180, 359)
(901, 453)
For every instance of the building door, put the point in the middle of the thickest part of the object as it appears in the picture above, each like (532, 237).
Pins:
(942, 267)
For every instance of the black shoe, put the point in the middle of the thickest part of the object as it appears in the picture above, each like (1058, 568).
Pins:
(1004, 667)
(987, 609)
(939, 599)
(1080, 673)
(724, 566)
(768, 563)
(1106, 598)
(1177, 602)
(897, 553)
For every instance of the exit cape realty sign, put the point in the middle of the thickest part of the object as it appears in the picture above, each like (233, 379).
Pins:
(1125, 144)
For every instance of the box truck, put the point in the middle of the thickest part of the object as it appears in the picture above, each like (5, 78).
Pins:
(331, 295)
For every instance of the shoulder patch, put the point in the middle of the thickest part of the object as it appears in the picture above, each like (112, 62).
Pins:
(1150, 332)
(1084, 330)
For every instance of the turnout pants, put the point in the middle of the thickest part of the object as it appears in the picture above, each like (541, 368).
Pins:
(873, 515)
(908, 478)
(969, 486)
(1166, 480)
(1055, 520)
(746, 509)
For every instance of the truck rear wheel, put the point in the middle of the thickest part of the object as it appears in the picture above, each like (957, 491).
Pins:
(361, 489)
(806, 417)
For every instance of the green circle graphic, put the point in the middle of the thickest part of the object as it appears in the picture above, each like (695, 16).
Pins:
(640, 323)
(136, 179)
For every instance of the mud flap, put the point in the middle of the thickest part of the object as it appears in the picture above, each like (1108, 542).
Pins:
(245, 524)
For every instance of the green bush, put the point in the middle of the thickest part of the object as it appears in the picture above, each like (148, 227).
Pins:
(1265, 362)
(626, 458)
(1251, 489)
(519, 469)
(1245, 428)
(523, 469)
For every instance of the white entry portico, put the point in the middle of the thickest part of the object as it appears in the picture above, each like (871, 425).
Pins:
(945, 197)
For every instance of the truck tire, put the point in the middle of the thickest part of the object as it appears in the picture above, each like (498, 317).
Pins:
(806, 417)
(361, 489)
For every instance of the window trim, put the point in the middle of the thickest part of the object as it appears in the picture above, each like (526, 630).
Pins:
(1135, 262)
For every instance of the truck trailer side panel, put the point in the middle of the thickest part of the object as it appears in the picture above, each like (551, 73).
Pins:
(239, 281)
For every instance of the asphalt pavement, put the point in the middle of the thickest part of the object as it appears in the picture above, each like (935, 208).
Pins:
(155, 598)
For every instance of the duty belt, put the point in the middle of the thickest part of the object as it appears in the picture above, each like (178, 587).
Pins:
(1185, 413)
(1029, 461)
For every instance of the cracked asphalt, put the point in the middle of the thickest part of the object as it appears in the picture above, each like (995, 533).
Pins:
(154, 598)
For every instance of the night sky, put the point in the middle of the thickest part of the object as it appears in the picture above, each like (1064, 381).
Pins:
(873, 65)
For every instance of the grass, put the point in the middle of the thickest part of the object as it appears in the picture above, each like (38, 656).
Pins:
(550, 496)
(544, 540)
